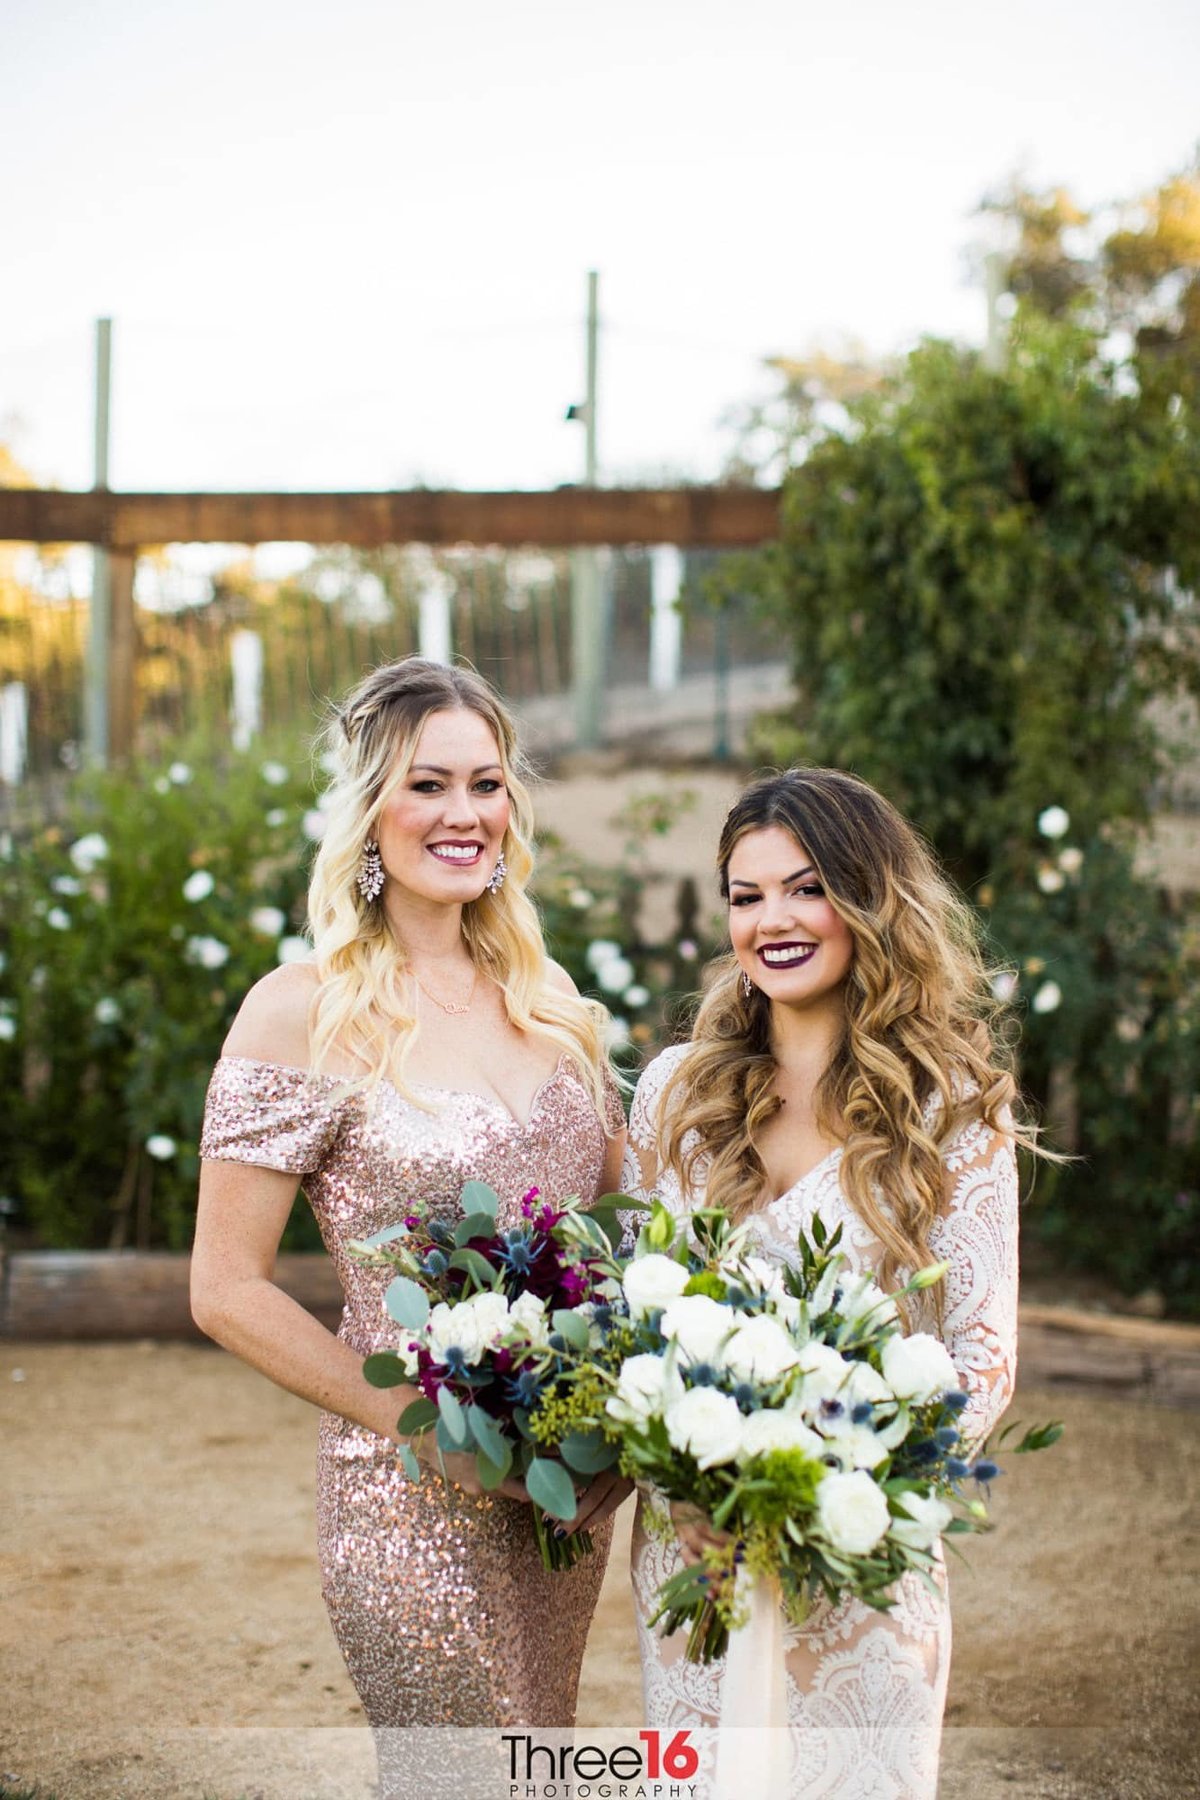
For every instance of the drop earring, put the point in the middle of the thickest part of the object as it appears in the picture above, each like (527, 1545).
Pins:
(495, 880)
(370, 872)
(747, 985)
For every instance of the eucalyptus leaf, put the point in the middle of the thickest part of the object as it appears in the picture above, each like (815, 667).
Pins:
(384, 1369)
(453, 1417)
(491, 1474)
(588, 1452)
(387, 1236)
(487, 1434)
(407, 1303)
(550, 1487)
(418, 1415)
(477, 1266)
(570, 1326)
(478, 1198)
(409, 1463)
(481, 1225)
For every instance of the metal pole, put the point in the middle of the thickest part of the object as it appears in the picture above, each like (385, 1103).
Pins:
(96, 677)
(995, 276)
(588, 621)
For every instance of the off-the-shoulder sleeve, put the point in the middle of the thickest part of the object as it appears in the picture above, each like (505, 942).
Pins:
(270, 1115)
(977, 1236)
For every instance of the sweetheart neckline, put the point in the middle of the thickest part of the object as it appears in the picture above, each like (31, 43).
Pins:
(427, 1087)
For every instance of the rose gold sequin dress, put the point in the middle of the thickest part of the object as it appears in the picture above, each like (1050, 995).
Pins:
(438, 1597)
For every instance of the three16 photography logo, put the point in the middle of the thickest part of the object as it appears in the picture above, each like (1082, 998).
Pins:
(655, 1767)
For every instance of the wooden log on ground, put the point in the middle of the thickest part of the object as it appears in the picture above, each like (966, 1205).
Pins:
(65, 1295)
(90, 1294)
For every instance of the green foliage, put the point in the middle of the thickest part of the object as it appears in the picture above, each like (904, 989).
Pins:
(986, 578)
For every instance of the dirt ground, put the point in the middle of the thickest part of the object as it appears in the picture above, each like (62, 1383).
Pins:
(163, 1636)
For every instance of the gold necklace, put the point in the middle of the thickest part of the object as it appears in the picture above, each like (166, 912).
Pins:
(452, 1007)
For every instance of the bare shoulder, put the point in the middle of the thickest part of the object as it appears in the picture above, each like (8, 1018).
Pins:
(558, 978)
(272, 1022)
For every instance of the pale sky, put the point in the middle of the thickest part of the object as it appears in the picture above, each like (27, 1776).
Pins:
(346, 246)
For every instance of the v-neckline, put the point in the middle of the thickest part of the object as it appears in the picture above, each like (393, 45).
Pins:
(493, 1100)
(802, 1180)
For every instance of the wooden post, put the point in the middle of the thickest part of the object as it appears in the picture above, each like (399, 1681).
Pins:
(122, 656)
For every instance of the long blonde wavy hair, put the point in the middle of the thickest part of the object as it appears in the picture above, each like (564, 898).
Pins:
(920, 1020)
(362, 1002)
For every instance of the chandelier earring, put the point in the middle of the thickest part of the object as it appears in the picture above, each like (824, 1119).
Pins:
(370, 872)
(495, 880)
(747, 985)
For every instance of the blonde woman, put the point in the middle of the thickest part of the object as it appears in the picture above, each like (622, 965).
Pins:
(427, 1041)
(843, 1064)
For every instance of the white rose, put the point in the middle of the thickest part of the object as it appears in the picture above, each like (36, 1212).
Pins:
(652, 1281)
(765, 1277)
(453, 1327)
(697, 1323)
(707, 1424)
(491, 1315)
(778, 1429)
(861, 1447)
(87, 851)
(644, 1390)
(825, 1372)
(209, 952)
(600, 951)
(268, 921)
(199, 885)
(529, 1312)
(918, 1367)
(1054, 822)
(615, 975)
(851, 1512)
(927, 1518)
(759, 1349)
(863, 1302)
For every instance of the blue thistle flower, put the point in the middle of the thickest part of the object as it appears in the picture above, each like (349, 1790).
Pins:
(455, 1359)
(956, 1468)
(703, 1374)
(743, 1393)
(946, 1436)
(863, 1413)
(440, 1232)
(985, 1470)
(521, 1389)
(435, 1262)
(926, 1451)
(602, 1314)
(517, 1254)
(556, 1341)
(955, 1399)
(832, 1409)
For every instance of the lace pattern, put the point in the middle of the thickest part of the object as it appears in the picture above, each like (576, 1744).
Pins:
(866, 1691)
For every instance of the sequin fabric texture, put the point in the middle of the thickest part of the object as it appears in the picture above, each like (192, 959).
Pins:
(437, 1597)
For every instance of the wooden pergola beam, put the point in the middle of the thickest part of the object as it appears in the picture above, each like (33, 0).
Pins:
(719, 518)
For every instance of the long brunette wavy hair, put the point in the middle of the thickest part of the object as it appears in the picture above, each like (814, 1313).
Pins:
(361, 1003)
(920, 1021)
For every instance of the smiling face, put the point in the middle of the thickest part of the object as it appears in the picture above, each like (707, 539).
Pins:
(785, 934)
(441, 831)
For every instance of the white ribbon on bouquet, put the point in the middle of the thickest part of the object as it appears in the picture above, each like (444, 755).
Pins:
(753, 1749)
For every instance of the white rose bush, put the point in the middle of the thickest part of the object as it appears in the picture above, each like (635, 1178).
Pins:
(788, 1406)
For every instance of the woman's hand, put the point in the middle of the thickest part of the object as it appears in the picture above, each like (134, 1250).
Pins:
(602, 1496)
(459, 1466)
(695, 1532)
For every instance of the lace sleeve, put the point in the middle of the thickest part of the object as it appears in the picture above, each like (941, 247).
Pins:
(978, 1238)
(640, 1174)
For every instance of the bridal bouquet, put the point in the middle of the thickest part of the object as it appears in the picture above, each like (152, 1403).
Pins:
(487, 1315)
(786, 1404)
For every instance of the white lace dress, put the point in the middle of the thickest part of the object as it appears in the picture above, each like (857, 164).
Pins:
(865, 1690)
